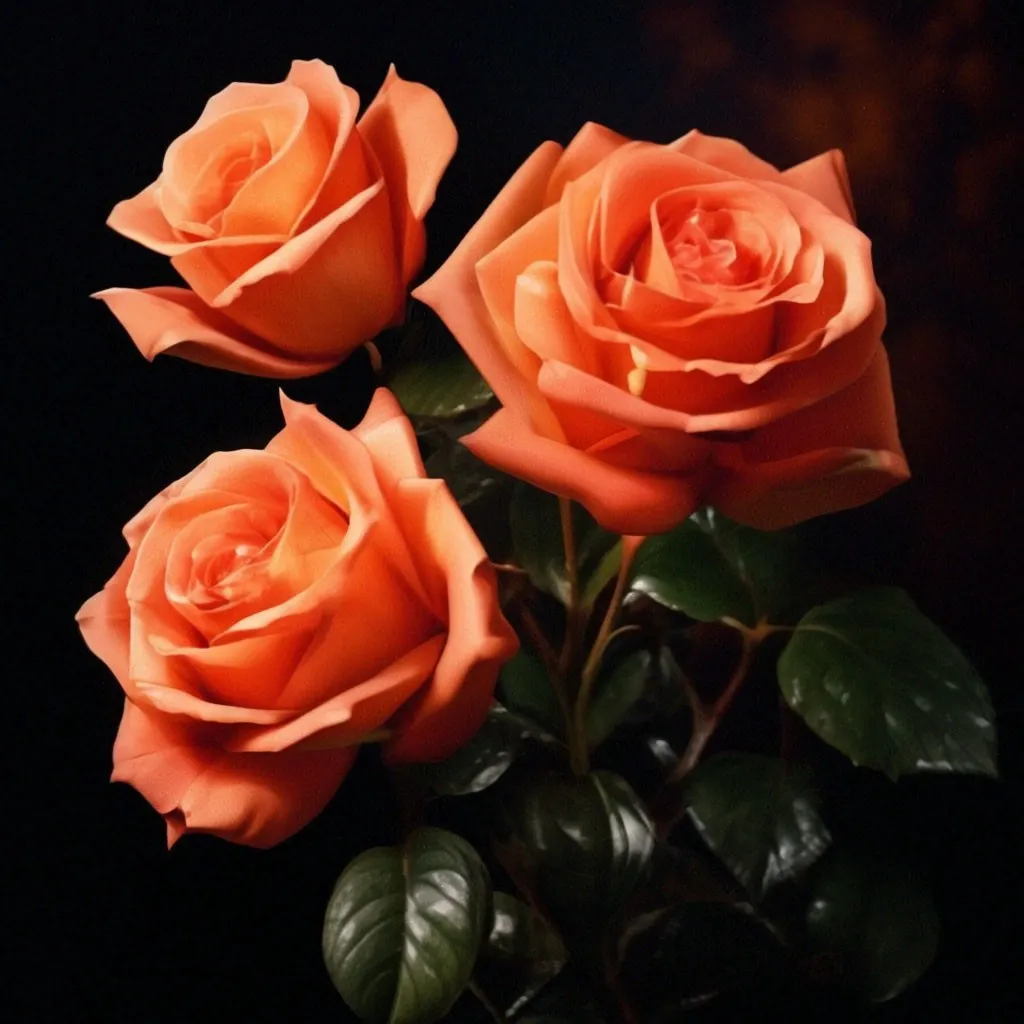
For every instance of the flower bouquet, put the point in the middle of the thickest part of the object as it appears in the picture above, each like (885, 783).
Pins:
(548, 579)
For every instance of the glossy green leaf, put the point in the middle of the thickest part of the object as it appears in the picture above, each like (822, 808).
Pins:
(684, 956)
(537, 541)
(480, 762)
(522, 955)
(879, 681)
(759, 816)
(616, 690)
(440, 385)
(404, 926)
(525, 688)
(517, 933)
(580, 846)
(603, 573)
(712, 568)
(879, 915)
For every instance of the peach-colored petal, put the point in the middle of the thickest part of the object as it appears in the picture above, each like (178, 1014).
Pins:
(543, 321)
(324, 452)
(388, 434)
(453, 293)
(141, 219)
(620, 499)
(345, 718)
(177, 321)
(452, 706)
(326, 291)
(589, 146)
(413, 138)
(825, 178)
(839, 453)
(253, 799)
(104, 622)
(209, 168)
(727, 154)
(497, 277)
(348, 173)
(667, 429)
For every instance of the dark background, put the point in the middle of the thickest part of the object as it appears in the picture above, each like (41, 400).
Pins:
(923, 97)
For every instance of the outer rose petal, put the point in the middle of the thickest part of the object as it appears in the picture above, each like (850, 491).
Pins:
(856, 457)
(453, 293)
(825, 178)
(622, 500)
(388, 434)
(447, 712)
(177, 321)
(323, 292)
(413, 138)
(253, 799)
(728, 154)
(589, 146)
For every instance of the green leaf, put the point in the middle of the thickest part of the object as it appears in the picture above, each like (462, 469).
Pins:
(604, 572)
(440, 384)
(879, 915)
(526, 690)
(517, 933)
(880, 682)
(521, 956)
(480, 762)
(404, 926)
(537, 541)
(679, 958)
(759, 816)
(616, 690)
(580, 846)
(712, 568)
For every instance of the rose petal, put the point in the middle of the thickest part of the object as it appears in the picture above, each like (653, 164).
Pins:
(776, 480)
(620, 499)
(177, 321)
(251, 799)
(452, 706)
(388, 434)
(322, 293)
(825, 178)
(727, 154)
(344, 718)
(453, 292)
(347, 172)
(589, 146)
(413, 138)
(319, 447)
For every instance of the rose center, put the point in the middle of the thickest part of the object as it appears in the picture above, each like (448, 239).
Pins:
(226, 172)
(701, 251)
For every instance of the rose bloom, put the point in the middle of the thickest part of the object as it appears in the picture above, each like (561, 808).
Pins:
(297, 227)
(278, 607)
(668, 326)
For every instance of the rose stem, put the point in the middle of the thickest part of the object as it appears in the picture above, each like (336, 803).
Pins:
(578, 736)
(572, 612)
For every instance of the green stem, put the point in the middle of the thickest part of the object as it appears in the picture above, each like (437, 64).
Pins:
(572, 576)
(578, 751)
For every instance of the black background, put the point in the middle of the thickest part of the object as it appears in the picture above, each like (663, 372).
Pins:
(106, 925)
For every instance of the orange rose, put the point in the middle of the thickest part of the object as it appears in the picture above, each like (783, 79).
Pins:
(672, 325)
(278, 607)
(297, 227)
